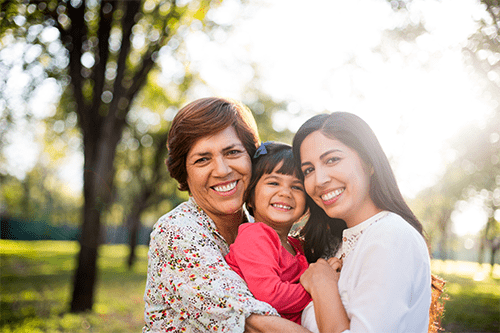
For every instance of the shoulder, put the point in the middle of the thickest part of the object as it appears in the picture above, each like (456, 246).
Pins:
(394, 231)
(183, 217)
(257, 230)
(296, 243)
(393, 224)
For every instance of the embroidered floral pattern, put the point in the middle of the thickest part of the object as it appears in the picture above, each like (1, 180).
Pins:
(351, 236)
(189, 286)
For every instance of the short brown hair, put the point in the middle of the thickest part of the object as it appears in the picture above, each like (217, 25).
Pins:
(204, 117)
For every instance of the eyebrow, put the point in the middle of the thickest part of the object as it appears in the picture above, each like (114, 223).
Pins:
(269, 176)
(231, 146)
(326, 153)
(234, 145)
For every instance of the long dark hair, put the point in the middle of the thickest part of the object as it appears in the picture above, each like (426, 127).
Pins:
(323, 233)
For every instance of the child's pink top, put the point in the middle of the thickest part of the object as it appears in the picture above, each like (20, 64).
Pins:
(271, 272)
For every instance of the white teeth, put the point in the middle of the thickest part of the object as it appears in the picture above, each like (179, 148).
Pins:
(226, 188)
(333, 194)
(282, 206)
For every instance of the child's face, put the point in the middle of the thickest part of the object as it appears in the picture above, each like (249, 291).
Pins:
(278, 199)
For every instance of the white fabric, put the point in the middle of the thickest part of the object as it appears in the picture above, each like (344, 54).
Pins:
(385, 282)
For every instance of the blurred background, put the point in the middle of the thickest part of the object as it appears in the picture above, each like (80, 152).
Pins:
(88, 89)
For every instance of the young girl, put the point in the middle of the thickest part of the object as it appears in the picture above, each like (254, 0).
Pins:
(263, 254)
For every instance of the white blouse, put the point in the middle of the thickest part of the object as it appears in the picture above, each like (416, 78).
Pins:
(385, 282)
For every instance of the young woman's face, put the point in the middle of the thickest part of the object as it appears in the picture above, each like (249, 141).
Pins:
(279, 200)
(336, 179)
(218, 173)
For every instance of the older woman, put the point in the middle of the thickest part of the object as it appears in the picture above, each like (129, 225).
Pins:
(189, 285)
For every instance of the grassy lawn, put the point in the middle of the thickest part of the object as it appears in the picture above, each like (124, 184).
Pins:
(473, 292)
(36, 281)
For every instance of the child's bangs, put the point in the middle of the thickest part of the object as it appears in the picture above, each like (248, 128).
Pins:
(287, 167)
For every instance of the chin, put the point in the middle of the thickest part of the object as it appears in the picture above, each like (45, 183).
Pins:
(232, 208)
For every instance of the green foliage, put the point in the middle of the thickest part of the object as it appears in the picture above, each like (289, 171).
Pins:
(40, 196)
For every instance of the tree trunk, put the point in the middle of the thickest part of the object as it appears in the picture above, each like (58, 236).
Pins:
(134, 224)
(86, 272)
(98, 178)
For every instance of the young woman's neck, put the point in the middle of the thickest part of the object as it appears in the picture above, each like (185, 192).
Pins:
(361, 216)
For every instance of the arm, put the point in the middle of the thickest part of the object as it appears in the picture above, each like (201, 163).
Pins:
(255, 255)
(262, 324)
(320, 280)
(190, 283)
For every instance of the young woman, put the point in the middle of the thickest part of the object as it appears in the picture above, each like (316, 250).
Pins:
(270, 261)
(359, 216)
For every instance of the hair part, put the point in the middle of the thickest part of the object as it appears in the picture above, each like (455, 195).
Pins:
(205, 117)
(355, 133)
(264, 164)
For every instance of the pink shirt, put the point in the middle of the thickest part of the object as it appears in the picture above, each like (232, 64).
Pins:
(271, 272)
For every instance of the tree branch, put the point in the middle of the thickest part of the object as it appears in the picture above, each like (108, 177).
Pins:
(131, 8)
(490, 10)
(77, 33)
(102, 55)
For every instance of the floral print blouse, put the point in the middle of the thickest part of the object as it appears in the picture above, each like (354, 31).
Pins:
(190, 287)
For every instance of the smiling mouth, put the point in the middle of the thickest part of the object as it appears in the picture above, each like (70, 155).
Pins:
(281, 206)
(222, 189)
(332, 195)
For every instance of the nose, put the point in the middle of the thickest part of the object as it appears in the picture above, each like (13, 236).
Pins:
(285, 191)
(322, 177)
(221, 168)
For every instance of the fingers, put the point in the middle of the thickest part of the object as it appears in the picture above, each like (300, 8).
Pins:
(335, 263)
(316, 272)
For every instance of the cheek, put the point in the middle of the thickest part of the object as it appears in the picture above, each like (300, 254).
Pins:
(309, 186)
(246, 169)
(302, 202)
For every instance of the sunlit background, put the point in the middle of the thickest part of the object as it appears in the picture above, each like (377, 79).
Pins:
(415, 92)
(424, 74)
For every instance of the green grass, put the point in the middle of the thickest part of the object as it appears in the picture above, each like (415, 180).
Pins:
(36, 281)
(473, 293)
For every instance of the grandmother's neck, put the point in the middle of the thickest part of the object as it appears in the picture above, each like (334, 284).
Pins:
(227, 225)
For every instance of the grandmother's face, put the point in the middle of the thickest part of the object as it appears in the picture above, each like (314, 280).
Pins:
(218, 172)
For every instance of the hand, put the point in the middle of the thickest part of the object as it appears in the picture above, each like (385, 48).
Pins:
(335, 263)
(319, 275)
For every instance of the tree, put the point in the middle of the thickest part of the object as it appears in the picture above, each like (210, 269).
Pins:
(474, 174)
(479, 146)
(110, 48)
(142, 180)
(146, 188)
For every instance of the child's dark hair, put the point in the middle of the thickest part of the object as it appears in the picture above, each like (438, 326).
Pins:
(268, 156)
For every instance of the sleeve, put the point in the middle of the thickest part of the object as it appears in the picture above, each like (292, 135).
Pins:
(390, 289)
(189, 279)
(255, 255)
